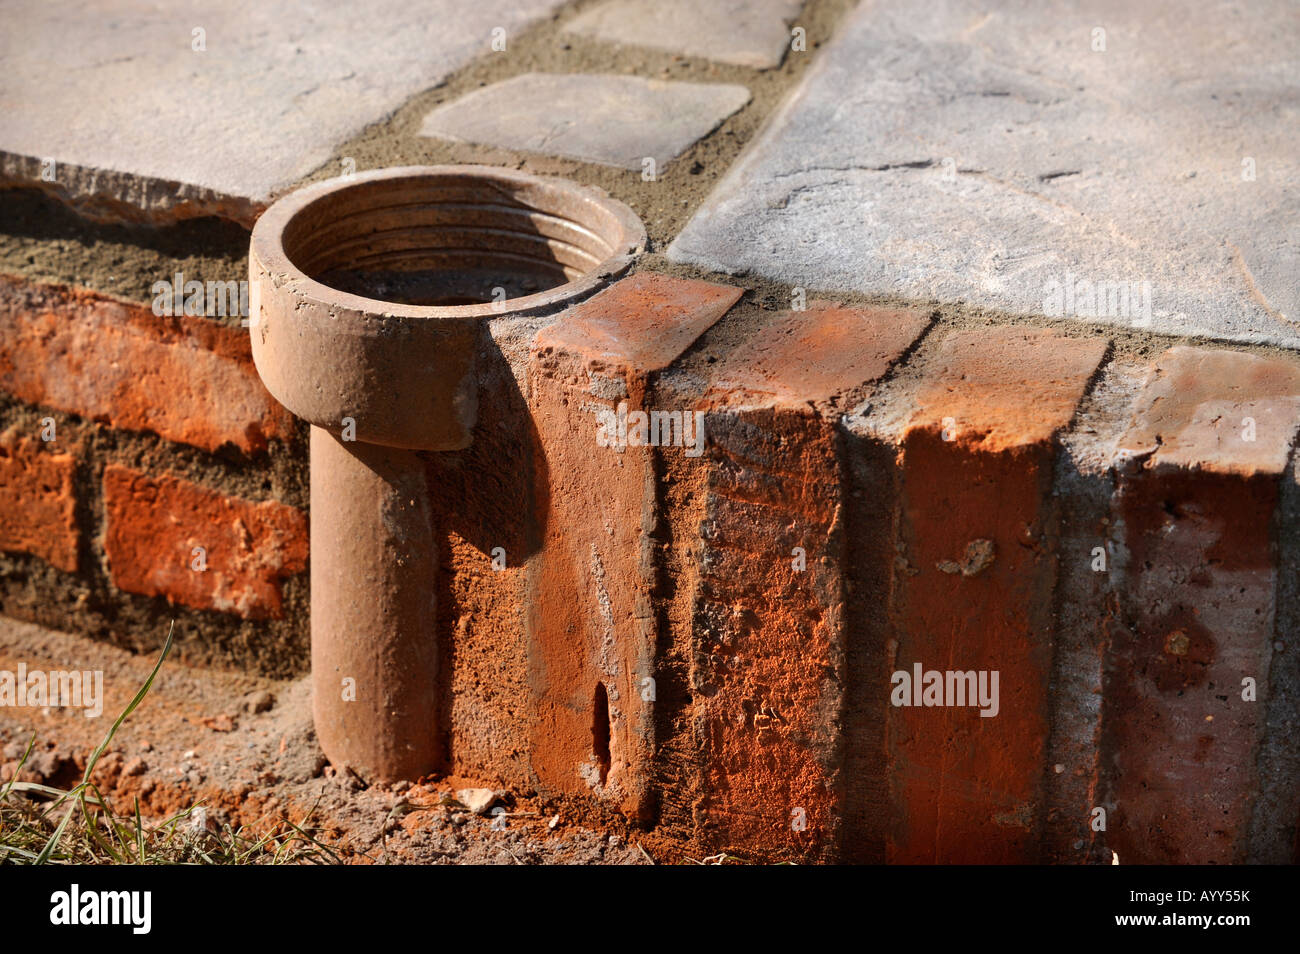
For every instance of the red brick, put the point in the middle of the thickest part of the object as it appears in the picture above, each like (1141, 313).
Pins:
(591, 626)
(187, 379)
(1005, 387)
(973, 589)
(37, 501)
(1195, 406)
(770, 640)
(1197, 503)
(640, 325)
(811, 356)
(154, 524)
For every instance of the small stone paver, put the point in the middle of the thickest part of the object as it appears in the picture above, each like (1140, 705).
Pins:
(615, 120)
(752, 33)
(1002, 157)
(197, 108)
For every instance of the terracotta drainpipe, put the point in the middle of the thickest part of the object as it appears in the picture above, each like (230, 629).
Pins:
(368, 300)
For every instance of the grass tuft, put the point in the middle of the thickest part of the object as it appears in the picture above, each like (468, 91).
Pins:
(89, 831)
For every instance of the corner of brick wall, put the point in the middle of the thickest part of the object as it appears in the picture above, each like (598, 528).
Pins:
(139, 470)
(593, 627)
(771, 624)
(707, 641)
(1188, 679)
(707, 637)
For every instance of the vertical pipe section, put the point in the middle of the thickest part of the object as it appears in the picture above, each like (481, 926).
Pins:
(407, 376)
(374, 653)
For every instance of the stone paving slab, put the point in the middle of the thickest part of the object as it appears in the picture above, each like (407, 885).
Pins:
(615, 120)
(132, 113)
(752, 33)
(987, 153)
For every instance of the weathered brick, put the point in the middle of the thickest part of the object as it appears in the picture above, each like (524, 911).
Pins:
(811, 356)
(1221, 412)
(154, 525)
(591, 624)
(1198, 493)
(187, 379)
(768, 667)
(973, 589)
(38, 501)
(770, 640)
(1089, 562)
(637, 327)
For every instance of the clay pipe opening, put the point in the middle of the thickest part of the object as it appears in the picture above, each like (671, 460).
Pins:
(367, 297)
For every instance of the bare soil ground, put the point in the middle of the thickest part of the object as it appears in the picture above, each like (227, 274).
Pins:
(243, 747)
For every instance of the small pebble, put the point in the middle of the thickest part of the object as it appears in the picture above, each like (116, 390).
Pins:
(477, 800)
(259, 701)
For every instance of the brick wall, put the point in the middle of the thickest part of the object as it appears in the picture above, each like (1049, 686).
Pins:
(929, 485)
(146, 475)
(722, 644)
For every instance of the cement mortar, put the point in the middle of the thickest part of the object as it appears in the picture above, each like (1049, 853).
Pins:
(88, 602)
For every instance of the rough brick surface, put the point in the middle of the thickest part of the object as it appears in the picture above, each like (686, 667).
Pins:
(769, 615)
(769, 653)
(1198, 503)
(154, 525)
(592, 628)
(973, 587)
(640, 325)
(1090, 558)
(1275, 826)
(1222, 412)
(1005, 387)
(37, 501)
(187, 379)
(809, 357)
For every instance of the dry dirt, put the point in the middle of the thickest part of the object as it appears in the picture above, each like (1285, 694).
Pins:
(197, 738)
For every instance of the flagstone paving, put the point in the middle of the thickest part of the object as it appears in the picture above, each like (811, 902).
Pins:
(616, 120)
(188, 108)
(1130, 163)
